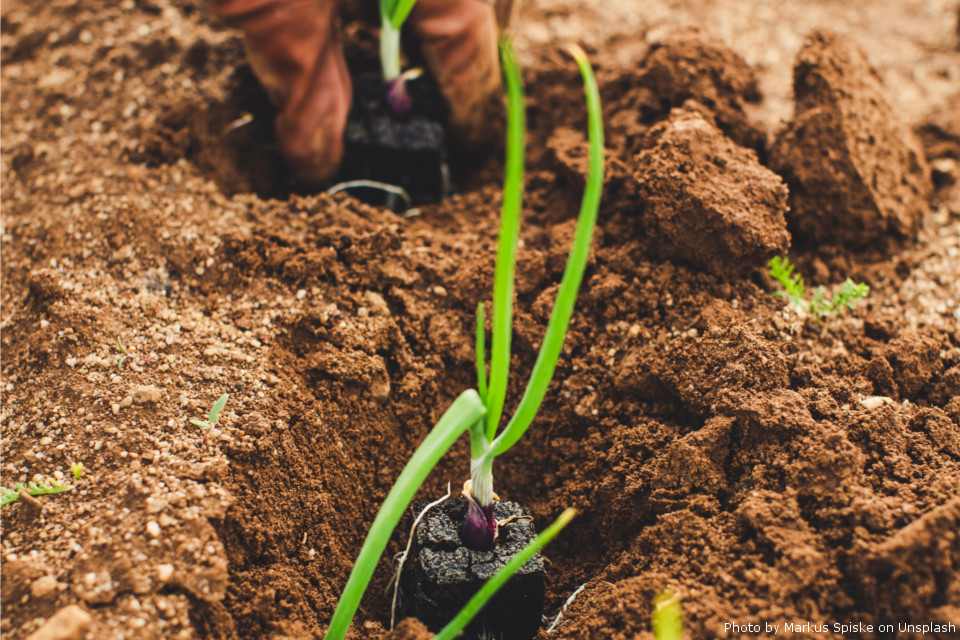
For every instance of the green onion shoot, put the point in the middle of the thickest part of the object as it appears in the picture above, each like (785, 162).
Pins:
(480, 411)
(393, 13)
(480, 530)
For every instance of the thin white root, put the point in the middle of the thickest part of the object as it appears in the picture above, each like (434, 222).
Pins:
(510, 519)
(392, 189)
(401, 557)
(556, 621)
(245, 119)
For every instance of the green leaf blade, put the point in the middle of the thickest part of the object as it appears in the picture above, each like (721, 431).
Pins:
(667, 619)
(559, 322)
(465, 411)
(399, 11)
(508, 239)
(217, 408)
(481, 349)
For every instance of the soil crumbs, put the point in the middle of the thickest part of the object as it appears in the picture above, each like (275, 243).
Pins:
(719, 444)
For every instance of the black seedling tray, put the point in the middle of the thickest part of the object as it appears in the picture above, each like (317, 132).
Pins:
(441, 574)
(409, 153)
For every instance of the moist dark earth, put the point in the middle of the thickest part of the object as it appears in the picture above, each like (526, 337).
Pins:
(716, 441)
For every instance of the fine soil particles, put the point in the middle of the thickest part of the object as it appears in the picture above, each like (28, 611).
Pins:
(717, 442)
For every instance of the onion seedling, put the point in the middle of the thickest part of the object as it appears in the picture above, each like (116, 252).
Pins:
(480, 529)
(393, 13)
(479, 411)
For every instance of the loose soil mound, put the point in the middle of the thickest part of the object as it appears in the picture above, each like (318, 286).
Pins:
(716, 442)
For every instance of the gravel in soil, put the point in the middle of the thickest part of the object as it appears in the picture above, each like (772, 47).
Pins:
(717, 442)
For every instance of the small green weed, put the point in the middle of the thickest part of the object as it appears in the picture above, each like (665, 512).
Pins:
(820, 305)
(76, 468)
(214, 414)
(124, 354)
(41, 488)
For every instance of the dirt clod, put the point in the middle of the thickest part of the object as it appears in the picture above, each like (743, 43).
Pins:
(856, 172)
(146, 394)
(708, 201)
(44, 587)
(689, 64)
(70, 623)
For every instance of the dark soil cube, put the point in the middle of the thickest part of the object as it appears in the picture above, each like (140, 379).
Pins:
(408, 153)
(441, 574)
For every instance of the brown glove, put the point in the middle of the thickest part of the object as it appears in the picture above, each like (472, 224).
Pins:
(458, 39)
(294, 49)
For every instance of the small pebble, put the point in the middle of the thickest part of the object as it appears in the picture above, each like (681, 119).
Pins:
(70, 623)
(44, 587)
(164, 572)
(875, 401)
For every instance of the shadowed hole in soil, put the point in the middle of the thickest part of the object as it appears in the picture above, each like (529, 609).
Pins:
(232, 142)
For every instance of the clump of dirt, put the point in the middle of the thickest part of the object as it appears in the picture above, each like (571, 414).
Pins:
(687, 65)
(708, 201)
(856, 172)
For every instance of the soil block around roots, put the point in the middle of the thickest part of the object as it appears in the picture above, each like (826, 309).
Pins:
(441, 574)
(404, 152)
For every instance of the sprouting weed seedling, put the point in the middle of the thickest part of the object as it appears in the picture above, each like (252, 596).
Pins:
(667, 618)
(820, 306)
(479, 411)
(41, 488)
(793, 287)
(76, 468)
(124, 354)
(214, 416)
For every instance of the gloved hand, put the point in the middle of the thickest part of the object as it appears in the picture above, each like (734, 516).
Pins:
(294, 49)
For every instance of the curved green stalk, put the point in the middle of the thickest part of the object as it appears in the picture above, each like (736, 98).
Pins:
(393, 13)
(481, 355)
(399, 11)
(465, 411)
(491, 586)
(572, 276)
(509, 236)
(667, 617)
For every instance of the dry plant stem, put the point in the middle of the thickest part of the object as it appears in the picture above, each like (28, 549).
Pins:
(31, 500)
(556, 621)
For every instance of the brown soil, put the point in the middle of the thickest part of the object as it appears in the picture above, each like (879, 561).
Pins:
(716, 442)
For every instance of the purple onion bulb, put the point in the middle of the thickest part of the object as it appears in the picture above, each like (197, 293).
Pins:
(480, 528)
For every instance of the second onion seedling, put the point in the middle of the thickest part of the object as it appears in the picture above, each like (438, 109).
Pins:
(393, 13)
(479, 411)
